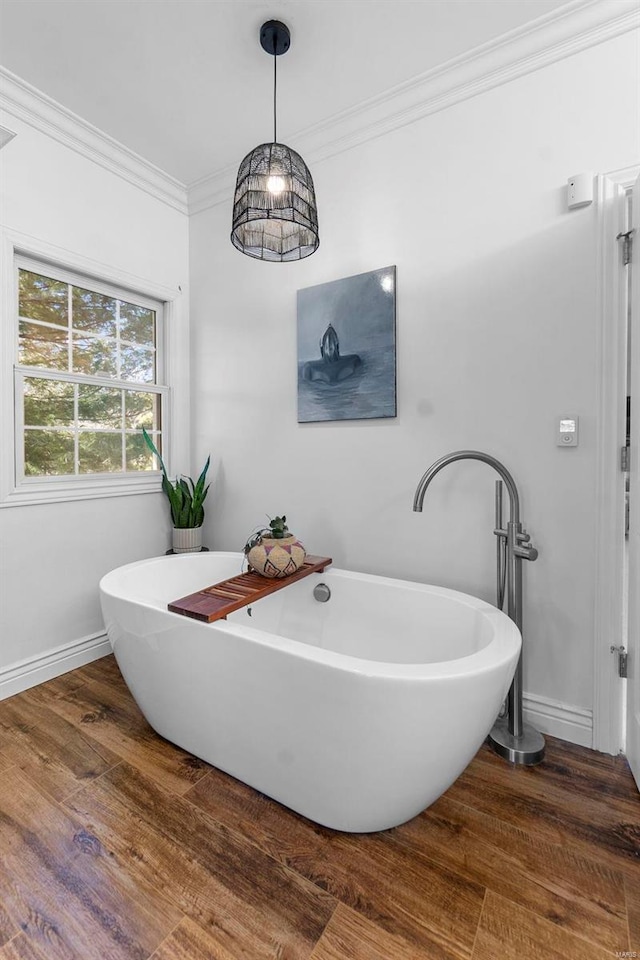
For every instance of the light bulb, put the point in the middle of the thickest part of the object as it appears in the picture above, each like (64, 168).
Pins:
(275, 184)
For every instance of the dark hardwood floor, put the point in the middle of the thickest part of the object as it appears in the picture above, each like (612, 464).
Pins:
(116, 845)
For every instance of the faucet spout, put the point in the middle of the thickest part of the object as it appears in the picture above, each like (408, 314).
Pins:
(514, 501)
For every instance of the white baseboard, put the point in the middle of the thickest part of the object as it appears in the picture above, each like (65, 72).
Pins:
(29, 673)
(561, 720)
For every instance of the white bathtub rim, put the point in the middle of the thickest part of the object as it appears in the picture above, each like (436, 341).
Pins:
(503, 648)
(474, 664)
(466, 599)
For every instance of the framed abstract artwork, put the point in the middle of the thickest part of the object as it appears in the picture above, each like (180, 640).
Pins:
(347, 348)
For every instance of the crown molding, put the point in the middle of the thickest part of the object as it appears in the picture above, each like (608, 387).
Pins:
(23, 101)
(6, 136)
(574, 27)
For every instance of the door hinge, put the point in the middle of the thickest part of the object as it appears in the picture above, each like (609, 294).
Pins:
(627, 245)
(622, 660)
(624, 459)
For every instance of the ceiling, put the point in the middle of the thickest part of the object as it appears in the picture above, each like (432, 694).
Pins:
(186, 85)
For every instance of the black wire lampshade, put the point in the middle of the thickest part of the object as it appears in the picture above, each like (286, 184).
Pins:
(274, 207)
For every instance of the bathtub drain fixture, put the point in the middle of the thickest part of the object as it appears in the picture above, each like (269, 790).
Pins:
(322, 592)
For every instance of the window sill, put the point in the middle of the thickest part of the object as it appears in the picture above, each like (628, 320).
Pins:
(56, 490)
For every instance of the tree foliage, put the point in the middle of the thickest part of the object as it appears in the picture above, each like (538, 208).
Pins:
(78, 331)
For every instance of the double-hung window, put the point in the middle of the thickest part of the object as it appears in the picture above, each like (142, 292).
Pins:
(89, 375)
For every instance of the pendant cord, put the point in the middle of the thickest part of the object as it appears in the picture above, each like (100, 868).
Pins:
(275, 81)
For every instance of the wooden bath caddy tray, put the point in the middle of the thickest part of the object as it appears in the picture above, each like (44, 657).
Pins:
(214, 603)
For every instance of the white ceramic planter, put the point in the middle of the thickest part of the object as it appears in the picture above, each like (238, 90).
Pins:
(187, 539)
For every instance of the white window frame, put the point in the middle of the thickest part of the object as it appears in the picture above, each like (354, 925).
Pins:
(19, 250)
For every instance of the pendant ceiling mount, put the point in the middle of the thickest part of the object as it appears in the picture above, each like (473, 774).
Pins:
(274, 205)
(275, 38)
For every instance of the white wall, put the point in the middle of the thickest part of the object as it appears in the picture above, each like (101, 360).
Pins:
(52, 556)
(496, 332)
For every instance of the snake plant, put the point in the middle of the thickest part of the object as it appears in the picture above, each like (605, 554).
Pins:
(186, 498)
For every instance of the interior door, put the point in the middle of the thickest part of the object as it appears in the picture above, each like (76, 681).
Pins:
(633, 640)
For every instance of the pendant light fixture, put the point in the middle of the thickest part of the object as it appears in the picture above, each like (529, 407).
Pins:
(274, 206)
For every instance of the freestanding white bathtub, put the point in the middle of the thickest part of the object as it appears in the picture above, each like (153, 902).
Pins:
(357, 713)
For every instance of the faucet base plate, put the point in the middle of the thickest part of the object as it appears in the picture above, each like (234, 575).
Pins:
(527, 749)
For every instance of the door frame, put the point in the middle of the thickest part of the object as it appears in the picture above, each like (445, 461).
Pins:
(608, 688)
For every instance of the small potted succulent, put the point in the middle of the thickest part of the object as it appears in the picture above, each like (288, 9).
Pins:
(186, 500)
(274, 552)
